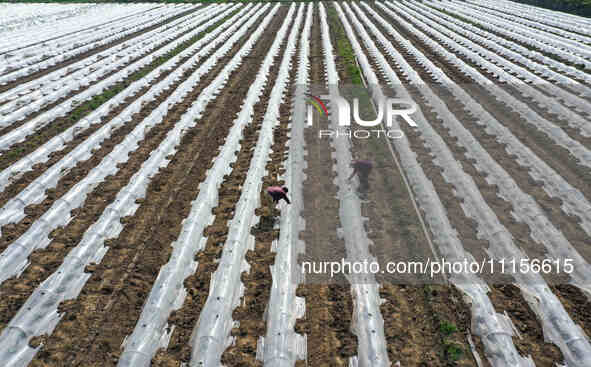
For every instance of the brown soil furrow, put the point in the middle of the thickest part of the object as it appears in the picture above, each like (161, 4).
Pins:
(555, 156)
(40, 73)
(441, 317)
(551, 206)
(329, 304)
(576, 303)
(112, 300)
(185, 319)
(426, 325)
(78, 91)
(508, 298)
(251, 313)
(33, 212)
(95, 204)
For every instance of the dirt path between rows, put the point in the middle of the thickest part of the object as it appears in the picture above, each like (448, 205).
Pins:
(439, 317)
(576, 303)
(258, 281)
(329, 303)
(508, 298)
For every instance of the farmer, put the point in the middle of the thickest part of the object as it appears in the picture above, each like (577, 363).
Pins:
(361, 168)
(277, 193)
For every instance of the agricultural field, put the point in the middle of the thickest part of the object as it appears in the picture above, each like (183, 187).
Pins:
(137, 142)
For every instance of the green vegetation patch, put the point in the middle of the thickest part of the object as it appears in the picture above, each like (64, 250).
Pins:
(343, 46)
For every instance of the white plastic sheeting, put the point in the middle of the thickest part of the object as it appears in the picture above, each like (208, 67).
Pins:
(573, 201)
(43, 56)
(20, 133)
(526, 209)
(560, 36)
(13, 210)
(14, 258)
(33, 95)
(513, 41)
(23, 53)
(41, 154)
(576, 47)
(211, 335)
(555, 18)
(545, 44)
(39, 86)
(21, 15)
(116, 57)
(30, 32)
(495, 330)
(33, 33)
(282, 346)
(536, 61)
(557, 325)
(367, 323)
(506, 68)
(39, 313)
(538, 24)
(168, 293)
(22, 57)
(555, 133)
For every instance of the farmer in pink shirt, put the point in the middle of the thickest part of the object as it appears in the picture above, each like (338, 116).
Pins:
(278, 193)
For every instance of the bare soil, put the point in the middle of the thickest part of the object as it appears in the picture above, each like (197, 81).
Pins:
(329, 304)
(251, 313)
(577, 304)
(508, 298)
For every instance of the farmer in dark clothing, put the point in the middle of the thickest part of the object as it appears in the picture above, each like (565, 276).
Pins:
(361, 168)
(277, 193)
